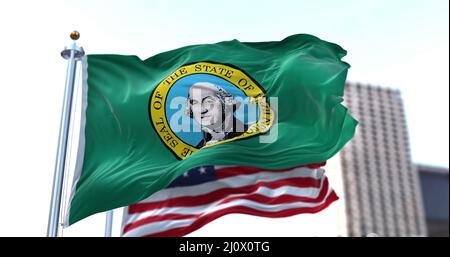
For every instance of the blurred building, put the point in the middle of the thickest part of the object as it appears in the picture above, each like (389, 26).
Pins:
(434, 183)
(381, 184)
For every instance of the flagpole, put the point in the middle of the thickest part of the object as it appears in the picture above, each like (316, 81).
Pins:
(72, 54)
(109, 223)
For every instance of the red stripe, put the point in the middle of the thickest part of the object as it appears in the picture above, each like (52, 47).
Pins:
(176, 232)
(226, 172)
(253, 197)
(151, 219)
(186, 201)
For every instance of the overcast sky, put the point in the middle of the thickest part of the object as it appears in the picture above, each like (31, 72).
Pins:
(397, 44)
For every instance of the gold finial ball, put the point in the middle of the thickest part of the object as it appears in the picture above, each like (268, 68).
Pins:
(75, 35)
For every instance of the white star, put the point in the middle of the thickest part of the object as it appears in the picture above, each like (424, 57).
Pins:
(186, 174)
(202, 170)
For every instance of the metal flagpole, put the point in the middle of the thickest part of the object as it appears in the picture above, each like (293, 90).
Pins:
(72, 54)
(109, 222)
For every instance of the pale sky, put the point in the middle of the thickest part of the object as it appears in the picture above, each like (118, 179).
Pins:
(397, 44)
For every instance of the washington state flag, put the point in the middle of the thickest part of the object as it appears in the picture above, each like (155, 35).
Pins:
(268, 105)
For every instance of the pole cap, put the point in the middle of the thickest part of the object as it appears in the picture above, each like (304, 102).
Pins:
(75, 35)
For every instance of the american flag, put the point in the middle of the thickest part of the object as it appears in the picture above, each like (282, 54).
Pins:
(204, 194)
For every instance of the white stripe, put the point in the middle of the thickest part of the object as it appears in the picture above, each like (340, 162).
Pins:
(285, 190)
(233, 182)
(160, 226)
(81, 144)
(264, 191)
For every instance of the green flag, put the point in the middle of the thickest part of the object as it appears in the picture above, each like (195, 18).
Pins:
(271, 105)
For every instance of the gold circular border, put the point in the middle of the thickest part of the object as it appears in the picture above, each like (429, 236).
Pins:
(231, 74)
